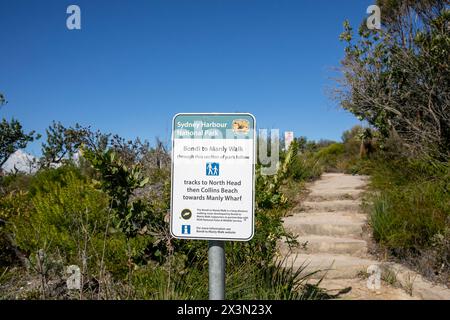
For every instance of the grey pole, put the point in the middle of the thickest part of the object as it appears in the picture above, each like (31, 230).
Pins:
(216, 260)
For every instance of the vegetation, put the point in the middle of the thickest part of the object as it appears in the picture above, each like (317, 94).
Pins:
(101, 202)
(397, 80)
(106, 211)
(409, 198)
(12, 137)
(410, 216)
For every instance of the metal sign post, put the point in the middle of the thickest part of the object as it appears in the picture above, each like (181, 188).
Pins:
(213, 179)
(216, 261)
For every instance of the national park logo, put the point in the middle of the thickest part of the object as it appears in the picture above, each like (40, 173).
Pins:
(241, 126)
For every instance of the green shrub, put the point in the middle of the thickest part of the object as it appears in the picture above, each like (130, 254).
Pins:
(275, 281)
(329, 156)
(245, 281)
(61, 208)
(47, 178)
(331, 151)
(307, 168)
(164, 283)
(69, 220)
(410, 215)
(14, 182)
(16, 203)
(118, 235)
(355, 165)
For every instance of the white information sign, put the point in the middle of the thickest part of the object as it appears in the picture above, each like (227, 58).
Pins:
(213, 176)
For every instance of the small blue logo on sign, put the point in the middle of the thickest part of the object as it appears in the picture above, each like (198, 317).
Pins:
(212, 168)
(185, 229)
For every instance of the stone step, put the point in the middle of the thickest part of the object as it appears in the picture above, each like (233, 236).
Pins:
(326, 244)
(360, 291)
(331, 206)
(338, 194)
(326, 225)
(340, 181)
(416, 284)
(360, 217)
(330, 266)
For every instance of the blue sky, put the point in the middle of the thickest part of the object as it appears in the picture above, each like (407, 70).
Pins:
(134, 64)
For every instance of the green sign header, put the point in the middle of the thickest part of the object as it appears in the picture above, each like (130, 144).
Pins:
(209, 126)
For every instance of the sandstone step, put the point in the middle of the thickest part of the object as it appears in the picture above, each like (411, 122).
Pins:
(325, 225)
(329, 266)
(416, 284)
(354, 216)
(338, 194)
(331, 224)
(326, 244)
(335, 181)
(331, 206)
(360, 291)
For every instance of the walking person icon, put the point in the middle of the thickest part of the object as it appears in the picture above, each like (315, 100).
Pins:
(209, 169)
(212, 169)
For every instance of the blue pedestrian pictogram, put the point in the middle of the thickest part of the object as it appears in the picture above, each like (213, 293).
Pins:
(185, 229)
(212, 169)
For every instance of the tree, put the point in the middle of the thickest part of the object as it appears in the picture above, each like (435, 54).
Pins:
(302, 142)
(398, 79)
(62, 143)
(129, 151)
(157, 157)
(12, 136)
(120, 181)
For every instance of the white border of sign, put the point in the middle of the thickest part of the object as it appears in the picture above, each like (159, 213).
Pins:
(253, 175)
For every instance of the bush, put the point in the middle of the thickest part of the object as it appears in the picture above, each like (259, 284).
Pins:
(355, 165)
(306, 168)
(14, 182)
(68, 221)
(243, 281)
(120, 240)
(61, 208)
(276, 281)
(411, 212)
(330, 155)
(171, 283)
(15, 204)
(409, 217)
(400, 89)
(46, 179)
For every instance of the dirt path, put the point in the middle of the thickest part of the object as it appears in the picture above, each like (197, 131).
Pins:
(333, 230)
